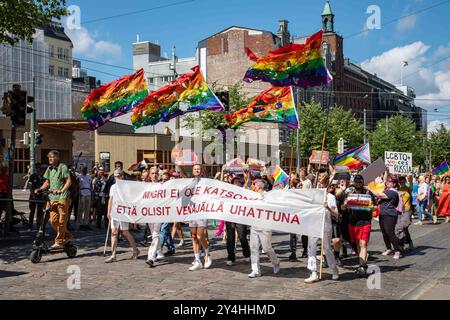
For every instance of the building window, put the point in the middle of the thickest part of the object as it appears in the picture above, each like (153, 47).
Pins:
(51, 70)
(66, 73)
(60, 53)
(60, 71)
(51, 51)
(66, 54)
(150, 80)
(21, 160)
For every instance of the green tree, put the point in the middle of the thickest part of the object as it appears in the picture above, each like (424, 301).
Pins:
(211, 119)
(20, 18)
(439, 143)
(398, 135)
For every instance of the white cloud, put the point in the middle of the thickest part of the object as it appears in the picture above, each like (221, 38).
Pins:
(436, 124)
(426, 72)
(407, 23)
(86, 44)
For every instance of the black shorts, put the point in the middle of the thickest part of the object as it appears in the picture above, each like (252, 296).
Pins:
(336, 230)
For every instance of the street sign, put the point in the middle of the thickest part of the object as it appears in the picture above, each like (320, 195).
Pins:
(398, 162)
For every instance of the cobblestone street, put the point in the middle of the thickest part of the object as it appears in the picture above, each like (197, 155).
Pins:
(423, 273)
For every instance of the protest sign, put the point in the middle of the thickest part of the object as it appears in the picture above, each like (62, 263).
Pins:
(184, 157)
(398, 162)
(294, 211)
(315, 157)
(374, 170)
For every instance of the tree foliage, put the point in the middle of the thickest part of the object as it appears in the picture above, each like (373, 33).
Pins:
(439, 143)
(20, 18)
(398, 134)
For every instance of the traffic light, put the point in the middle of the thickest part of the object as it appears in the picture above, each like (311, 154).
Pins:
(38, 137)
(224, 97)
(344, 145)
(7, 103)
(26, 138)
(19, 108)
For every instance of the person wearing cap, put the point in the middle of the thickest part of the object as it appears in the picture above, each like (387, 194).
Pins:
(117, 225)
(360, 222)
(389, 201)
(331, 209)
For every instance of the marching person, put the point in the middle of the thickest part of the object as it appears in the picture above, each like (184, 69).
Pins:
(100, 201)
(331, 210)
(154, 251)
(444, 199)
(404, 220)
(422, 198)
(389, 201)
(360, 222)
(84, 209)
(261, 237)
(117, 225)
(198, 228)
(57, 180)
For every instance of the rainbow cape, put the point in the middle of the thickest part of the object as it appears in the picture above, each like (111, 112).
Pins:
(114, 99)
(188, 93)
(442, 169)
(353, 158)
(280, 177)
(298, 65)
(275, 104)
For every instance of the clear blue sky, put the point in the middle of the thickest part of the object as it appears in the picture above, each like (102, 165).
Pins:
(183, 25)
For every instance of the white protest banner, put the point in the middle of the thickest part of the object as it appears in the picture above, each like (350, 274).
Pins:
(293, 211)
(398, 162)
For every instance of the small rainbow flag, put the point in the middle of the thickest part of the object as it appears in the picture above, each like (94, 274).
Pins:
(353, 158)
(114, 99)
(442, 169)
(188, 93)
(298, 65)
(416, 168)
(280, 177)
(275, 104)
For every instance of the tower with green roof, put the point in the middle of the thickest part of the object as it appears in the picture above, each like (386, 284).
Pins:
(327, 18)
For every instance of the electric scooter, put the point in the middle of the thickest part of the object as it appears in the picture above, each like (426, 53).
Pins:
(40, 247)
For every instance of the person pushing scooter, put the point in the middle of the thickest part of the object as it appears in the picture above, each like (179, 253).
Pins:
(57, 179)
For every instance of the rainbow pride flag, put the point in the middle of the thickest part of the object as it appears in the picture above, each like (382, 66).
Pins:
(275, 104)
(353, 158)
(442, 169)
(298, 65)
(416, 168)
(280, 177)
(114, 99)
(188, 93)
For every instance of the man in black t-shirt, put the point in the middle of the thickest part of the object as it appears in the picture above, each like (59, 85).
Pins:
(360, 222)
(35, 182)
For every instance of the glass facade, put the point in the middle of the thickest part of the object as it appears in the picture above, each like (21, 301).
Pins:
(19, 63)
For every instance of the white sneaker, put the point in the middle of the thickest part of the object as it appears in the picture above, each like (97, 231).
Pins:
(397, 255)
(276, 268)
(335, 275)
(229, 263)
(254, 274)
(387, 252)
(247, 259)
(312, 278)
(197, 266)
(202, 254)
(180, 244)
(209, 262)
(160, 256)
(418, 223)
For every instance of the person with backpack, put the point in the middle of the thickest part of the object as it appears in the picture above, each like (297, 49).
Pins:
(389, 212)
(404, 220)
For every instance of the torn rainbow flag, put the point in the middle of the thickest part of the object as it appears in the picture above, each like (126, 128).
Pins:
(298, 65)
(114, 99)
(275, 104)
(188, 93)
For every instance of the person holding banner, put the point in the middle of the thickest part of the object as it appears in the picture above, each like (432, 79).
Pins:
(331, 209)
(360, 221)
(154, 251)
(198, 230)
(119, 225)
(261, 237)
